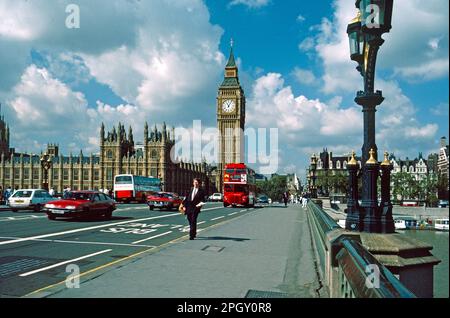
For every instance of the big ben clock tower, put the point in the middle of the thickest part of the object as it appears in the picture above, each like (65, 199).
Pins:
(230, 119)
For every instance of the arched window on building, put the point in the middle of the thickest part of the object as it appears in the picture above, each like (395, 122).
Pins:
(154, 154)
(338, 164)
(345, 165)
(404, 169)
(411, 169)
(109, 154)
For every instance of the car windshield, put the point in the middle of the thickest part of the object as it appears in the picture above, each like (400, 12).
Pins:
(78, 196)
(163, 195)
(22, 194)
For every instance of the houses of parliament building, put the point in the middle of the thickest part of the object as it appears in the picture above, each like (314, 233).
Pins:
(118, 155)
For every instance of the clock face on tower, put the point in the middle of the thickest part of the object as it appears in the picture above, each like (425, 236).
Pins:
(228, 106)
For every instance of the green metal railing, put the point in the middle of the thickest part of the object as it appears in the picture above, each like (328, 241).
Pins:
(363, 276)
(360, 274)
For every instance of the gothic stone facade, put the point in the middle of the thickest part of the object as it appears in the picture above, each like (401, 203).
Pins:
(118, 155)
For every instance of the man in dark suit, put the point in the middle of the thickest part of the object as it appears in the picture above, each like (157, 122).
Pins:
(192, 206)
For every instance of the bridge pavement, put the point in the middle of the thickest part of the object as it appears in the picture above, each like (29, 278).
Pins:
(266, 249)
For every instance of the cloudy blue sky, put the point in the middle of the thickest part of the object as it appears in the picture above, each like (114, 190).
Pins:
(162, 60)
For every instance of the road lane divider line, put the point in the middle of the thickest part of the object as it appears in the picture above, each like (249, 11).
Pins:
(84, 229)
(153, 237)
(243, 210)
(64, 263)
(78, 242)
(218, 218)
(202, 222)
(234, 213)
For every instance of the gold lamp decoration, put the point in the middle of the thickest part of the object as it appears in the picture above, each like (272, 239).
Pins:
(386, 161)
(371, 160)
(353, 161)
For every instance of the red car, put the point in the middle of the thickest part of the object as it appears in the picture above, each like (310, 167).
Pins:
(164, 200)
(81, 204)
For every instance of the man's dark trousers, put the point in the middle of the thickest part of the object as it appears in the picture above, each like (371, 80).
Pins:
(192, 218)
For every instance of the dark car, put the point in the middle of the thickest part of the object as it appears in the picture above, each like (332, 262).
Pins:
(263, 199)
(164, 200)
(81, 204)
(443, 204)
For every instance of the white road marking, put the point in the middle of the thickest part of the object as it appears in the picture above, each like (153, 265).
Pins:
(203, 222)
(234, 213)
(85, 229)
(63, 263)
(20, 218)
(151, 238)
(243, 210)
(209, 209)
(82, 242)
(220, 217)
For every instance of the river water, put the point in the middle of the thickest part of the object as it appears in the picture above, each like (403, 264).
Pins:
(440, 242)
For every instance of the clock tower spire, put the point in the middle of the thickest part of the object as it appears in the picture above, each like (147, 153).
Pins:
(230, 118)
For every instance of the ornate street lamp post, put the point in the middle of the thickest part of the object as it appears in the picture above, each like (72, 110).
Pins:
(365, 31)
(313, 176)
(308, 180)
(46, 164)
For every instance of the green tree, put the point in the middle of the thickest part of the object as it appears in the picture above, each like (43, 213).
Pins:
(274, 188)
(442, 186)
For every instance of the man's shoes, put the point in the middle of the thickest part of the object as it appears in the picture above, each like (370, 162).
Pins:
(191, 238)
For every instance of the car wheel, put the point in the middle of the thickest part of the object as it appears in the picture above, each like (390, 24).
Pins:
(151, 207)
(37, 208)
(108, 214)
(15, 210)
(225, 205)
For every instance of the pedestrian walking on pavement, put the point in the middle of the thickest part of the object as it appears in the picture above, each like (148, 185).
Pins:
(304, 202)
(285, 198)
(192, 206)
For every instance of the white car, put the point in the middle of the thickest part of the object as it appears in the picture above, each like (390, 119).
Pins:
(26, 199)
(217, 197)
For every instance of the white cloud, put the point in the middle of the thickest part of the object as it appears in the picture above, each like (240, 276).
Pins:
(307, 44)
(426, 71)
(304, 76)
(307, 125)
(419, 28)
(43, 109)
(250, 3)
(440, 110)
(301, 18)
(299, 119)
(176, 56)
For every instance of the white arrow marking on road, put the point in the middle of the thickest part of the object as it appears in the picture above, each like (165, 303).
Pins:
(151, 238)
(63, 263)
(220, 217)
(84, 229)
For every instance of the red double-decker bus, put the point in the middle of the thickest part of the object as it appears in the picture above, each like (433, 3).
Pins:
(239, 184)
